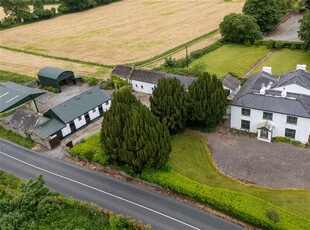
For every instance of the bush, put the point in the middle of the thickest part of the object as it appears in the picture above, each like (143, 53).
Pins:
(109, 84)
(273, 215)
(278, 44)
(92, 81)
(242, 206)
(288, 141)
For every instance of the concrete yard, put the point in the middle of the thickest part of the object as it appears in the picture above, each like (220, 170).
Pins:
(275, 165)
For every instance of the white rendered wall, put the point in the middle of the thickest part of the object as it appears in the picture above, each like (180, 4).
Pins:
(66, 130)
(106, 106)
(294, 89)
(80, 123)
(147, 87)
(94, 114)
(279, 121)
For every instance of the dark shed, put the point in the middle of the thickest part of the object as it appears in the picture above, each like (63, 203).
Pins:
(51, 76)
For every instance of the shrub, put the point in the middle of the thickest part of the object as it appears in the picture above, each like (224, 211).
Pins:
(109, 84)
(92, 81)
(273, 215)
(278, 45)
(242, 206)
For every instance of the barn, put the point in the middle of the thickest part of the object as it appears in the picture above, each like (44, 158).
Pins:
(70, 116)
(54, 77)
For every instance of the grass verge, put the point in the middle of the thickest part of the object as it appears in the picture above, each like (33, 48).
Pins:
(15, 138)
(230, 58)
(14, 77)
(191, 158)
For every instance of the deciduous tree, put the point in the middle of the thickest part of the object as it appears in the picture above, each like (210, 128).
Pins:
(207, 103)
(17, 9)
(266, 13)
(240, 28)
(169, 103)
(304, 32)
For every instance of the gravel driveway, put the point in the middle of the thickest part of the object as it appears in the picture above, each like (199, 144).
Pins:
(276, 165)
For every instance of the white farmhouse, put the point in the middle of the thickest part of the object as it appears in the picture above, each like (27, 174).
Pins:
(145, 81)
(274, 106)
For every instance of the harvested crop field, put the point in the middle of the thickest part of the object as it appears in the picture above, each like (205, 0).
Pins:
(29, 65)
(125, 31)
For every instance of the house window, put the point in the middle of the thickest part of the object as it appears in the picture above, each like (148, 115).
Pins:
(141, 86)
(136, 86)
(291, 120)
(94, 110)
(80, 118)
(267, 116)
(246, 112)
(245, 124)
(107, 102)
(290, 133)
(152, 88)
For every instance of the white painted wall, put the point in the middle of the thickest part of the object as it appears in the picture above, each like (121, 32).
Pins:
(94, 114)
(294, 89)
(106, 106)
(279, 121)
(79, 123)
(147, 87)
(66, 130)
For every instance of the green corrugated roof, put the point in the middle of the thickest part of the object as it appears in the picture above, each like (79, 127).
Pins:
(78, 105)
(13, 95)
(53, 73)
(49, 128)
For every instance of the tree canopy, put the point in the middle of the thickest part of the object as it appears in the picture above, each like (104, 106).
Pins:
(304, 4)
(207, 103)
(16, 9)
(266, 13)
(132, 135)
(169, 103)
(240, 28)
(304, 32)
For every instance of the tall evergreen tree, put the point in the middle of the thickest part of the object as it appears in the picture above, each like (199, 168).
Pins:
(207, 103)
(266, 13)
(132, 135)
(169, 103)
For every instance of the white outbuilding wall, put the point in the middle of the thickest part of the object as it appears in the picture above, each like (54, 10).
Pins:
(79, 122)
(66, 130)
(94, 113)
(106, 106)
(142, 87)
(279, 121)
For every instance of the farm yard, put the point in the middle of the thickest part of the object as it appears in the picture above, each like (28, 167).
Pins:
(125, 31)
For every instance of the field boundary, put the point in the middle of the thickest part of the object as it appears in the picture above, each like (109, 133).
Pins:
(248, 73)
(175, 49)
(55, 57)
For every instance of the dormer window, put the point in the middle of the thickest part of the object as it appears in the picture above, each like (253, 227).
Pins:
(246, 112)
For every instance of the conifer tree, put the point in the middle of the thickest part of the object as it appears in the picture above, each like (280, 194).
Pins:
(169, 103)
(207, 101)
(132, 135)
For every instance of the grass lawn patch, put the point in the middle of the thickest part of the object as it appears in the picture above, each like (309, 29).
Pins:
(15, 138)
(190, 157)
(230, 58)
(285, 60)
(90, 149)
(14, 77)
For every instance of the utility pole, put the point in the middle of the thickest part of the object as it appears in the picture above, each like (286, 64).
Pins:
(186, 57)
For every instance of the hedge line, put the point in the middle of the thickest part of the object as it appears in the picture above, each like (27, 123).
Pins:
(55, 57)
(242, 206)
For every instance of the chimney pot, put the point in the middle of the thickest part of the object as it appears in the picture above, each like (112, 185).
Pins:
(301, 66)
(267, 69)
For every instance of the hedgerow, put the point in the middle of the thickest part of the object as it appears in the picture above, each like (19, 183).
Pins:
(242, 206)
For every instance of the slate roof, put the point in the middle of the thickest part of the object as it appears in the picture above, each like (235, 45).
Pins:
(230, 82)
(53, 72)
(13, 95)
(299, 77)
(153, 77)
(123, 71)
(78, 105)
(292, 104)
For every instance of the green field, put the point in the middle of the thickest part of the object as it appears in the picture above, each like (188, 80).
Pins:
(191, 158)
(14, 77)
(230, 58)
(285, 60)
(15, 138)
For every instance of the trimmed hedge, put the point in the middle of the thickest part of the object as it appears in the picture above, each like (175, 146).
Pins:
(242, 206)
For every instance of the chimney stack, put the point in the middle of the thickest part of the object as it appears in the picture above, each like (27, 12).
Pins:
(269, 85)
(301, 66)
(267, 69)
(283, 93)
(262, 89)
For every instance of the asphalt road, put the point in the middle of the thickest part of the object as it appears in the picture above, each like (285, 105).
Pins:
(150, 207)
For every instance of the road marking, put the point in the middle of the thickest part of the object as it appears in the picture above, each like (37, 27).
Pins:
(98, 190)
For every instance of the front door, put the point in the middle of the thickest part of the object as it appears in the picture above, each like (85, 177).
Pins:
(264, 133)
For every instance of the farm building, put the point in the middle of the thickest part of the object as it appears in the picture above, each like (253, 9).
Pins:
(13, 95)
(273, 106)
(145, 81)
(71, 115)
(123, 71)
(55, 77)
(231, 84)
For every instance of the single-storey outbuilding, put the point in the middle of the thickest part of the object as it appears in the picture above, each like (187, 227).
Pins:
(51, 76)
(71, 115)
(13, 95)
(123, 71)
(231, 84)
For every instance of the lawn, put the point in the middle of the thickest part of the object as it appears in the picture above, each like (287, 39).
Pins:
(285, 60)
(125, 31)
(230, 58)
(191, 158)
